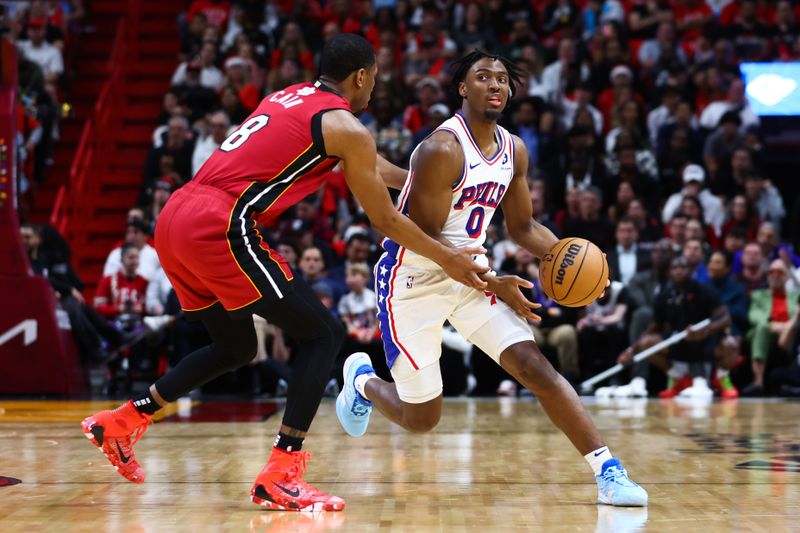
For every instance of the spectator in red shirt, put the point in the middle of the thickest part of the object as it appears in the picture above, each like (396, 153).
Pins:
(691, 17)
(345, 13)
(125, 291)
(216, 11)
(785, 32)
(621, 82)
(293, 45)
(429, 92)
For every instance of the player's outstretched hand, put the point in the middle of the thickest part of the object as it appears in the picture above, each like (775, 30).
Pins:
(461, 266)
(507, 288)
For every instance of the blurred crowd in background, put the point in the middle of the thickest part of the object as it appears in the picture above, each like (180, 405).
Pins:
(640, 138)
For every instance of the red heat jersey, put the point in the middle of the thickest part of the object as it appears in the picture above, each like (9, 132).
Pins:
(113, 291)
(277, 156)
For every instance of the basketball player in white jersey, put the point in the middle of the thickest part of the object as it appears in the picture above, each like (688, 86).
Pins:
(459, 175)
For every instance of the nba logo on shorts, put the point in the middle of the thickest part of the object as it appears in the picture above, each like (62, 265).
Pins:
(410, 282)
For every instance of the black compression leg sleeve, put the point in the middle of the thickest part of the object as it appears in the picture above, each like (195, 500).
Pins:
(234, 345)
(319, 336)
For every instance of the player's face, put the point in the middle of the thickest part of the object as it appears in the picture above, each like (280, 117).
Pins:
(365, 91)
(486, 88)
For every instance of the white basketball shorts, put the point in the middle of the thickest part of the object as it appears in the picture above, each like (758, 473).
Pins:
(413, 305)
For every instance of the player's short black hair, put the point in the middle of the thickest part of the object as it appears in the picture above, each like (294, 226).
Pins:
(461, 66)
(343, 55)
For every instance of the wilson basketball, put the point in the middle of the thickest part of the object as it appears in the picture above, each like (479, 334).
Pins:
(574, 272)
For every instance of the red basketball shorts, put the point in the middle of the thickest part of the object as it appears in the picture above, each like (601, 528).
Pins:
(212, 252)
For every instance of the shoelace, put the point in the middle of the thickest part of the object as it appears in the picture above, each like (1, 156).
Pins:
(614, 474)
(141, 430)
(295, 474)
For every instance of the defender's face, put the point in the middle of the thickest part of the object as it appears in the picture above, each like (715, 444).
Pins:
(486, 87)
(361, 100)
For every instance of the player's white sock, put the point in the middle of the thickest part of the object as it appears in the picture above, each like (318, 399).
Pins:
(597, 458)
(678, 370)
(722, 372)
(361, 382)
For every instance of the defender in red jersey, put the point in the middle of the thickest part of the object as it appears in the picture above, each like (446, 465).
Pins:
(223, 271)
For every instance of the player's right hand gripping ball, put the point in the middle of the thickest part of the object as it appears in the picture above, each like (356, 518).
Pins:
(574, 272)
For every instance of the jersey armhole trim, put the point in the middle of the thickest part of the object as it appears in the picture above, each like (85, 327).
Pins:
(316, 131)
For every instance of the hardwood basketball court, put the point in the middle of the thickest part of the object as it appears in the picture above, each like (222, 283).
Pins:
(491, 465)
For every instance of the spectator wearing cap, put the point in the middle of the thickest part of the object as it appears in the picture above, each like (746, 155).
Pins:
(237, 72)
(721, 144)
(554, 75)
(136, 234)
(218, 128)
(428, 58)
(765, 197)
(429, 92)
(38, 50)
(693, 180)
(437, 113)
(735, 102)
(621, 79)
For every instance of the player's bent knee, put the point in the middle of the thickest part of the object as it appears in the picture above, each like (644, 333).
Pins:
(422, 417)
(531, 368)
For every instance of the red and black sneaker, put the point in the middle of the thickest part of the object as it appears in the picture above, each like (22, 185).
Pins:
(280, 485)
(112, 432)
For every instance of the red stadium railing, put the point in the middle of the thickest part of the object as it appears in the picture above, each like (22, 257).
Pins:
(73, 207)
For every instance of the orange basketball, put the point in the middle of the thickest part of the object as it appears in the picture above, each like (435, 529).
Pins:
(574, 272)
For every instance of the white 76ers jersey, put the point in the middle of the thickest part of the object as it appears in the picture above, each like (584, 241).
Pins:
(476, 195)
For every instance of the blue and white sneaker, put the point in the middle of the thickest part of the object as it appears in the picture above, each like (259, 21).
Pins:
(353, 409)
(615, 488)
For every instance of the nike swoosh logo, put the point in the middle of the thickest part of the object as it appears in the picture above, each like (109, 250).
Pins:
(473, 166)
(600, 452)
(293, 493)
(122, 455)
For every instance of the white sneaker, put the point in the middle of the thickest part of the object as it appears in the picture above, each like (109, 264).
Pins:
(637, 388)
(699, 390)
(605, 392)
